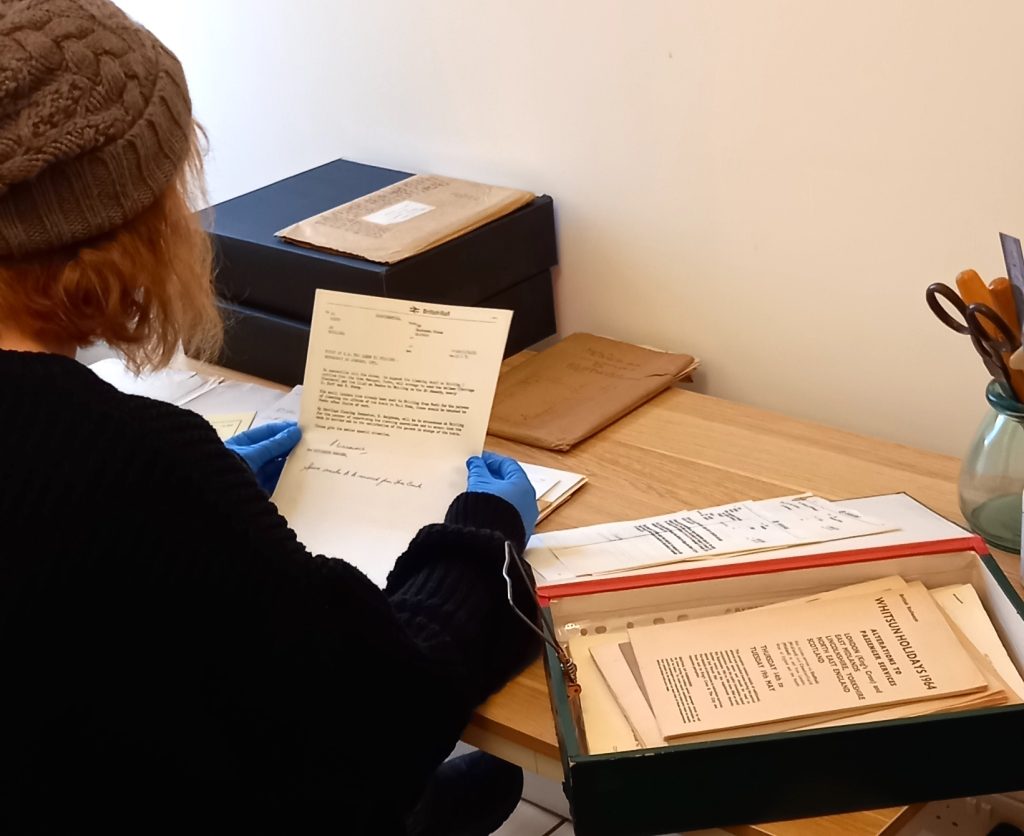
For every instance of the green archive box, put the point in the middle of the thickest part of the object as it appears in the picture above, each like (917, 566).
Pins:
(795, 774)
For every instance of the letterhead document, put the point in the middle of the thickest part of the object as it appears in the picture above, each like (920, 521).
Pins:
(395, 397)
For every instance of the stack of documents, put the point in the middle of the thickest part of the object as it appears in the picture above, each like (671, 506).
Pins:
(553, 486)
(879, 650)
(724, 530)
(229, 405)
(179, 387)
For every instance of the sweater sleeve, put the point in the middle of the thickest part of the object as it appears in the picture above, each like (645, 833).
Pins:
(449, 591)
(306, 662)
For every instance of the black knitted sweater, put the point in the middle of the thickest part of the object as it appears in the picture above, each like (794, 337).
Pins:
(175, 660)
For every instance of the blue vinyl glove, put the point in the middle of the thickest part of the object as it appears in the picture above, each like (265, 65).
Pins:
(264, 449)
(502, 476)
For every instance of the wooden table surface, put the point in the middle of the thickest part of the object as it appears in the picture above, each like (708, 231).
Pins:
(685, 450)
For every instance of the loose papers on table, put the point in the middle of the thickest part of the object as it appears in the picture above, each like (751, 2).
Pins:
(212, 396)
(552, 486)
(737, 528)
(232, 406)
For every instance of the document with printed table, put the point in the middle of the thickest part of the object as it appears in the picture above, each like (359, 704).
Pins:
(395, 399)
(774, 529)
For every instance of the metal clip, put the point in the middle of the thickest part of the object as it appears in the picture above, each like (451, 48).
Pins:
(567, 664)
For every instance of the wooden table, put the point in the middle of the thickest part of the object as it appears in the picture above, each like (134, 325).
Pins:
(685, 450)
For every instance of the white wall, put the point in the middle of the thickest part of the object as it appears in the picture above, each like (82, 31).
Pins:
(767, 184)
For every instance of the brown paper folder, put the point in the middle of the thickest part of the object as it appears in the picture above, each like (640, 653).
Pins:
(568, 392)
(405, 218)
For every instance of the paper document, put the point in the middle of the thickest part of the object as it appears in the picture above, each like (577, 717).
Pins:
(620, 679)
(542, 478)
(208, 395)
(553, 486)
(962, 606)
(174, 386)
(285, 408)
(395, 399)
(909, 520)
(738, 528)
(233, 396)
(231, 425)
(851, 653)
(608, 729)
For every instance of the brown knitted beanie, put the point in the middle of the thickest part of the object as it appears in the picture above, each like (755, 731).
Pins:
(95, 121)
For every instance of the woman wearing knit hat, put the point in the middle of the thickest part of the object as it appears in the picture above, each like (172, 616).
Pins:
(173, 658)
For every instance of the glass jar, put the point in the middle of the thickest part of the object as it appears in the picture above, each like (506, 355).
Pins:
(992, 473)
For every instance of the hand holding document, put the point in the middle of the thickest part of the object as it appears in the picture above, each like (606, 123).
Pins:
(395, 398)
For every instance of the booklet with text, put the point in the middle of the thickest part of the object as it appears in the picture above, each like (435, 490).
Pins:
(835, 656)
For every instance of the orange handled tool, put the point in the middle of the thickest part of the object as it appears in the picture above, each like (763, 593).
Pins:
(974, 291)
(1001, 292)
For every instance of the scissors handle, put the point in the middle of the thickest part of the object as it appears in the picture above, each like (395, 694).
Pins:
(974, 291)
(985, 323)
(995, 351)
(937, 291)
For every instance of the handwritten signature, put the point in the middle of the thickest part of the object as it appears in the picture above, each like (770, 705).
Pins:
(377, 481)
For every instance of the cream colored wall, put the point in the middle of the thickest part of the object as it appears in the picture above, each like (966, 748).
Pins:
(767, 184)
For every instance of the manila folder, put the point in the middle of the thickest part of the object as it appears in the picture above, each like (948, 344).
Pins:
(580, 385)
(406, 218)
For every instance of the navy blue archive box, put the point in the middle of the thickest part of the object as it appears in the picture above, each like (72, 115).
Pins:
(266, 285)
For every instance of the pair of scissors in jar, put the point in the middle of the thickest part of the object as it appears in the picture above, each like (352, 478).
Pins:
(992, 337)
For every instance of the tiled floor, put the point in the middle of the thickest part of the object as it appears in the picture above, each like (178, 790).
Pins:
(544, 810)
(531, 820)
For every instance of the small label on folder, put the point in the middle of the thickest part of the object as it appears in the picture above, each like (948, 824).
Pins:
(398, 212)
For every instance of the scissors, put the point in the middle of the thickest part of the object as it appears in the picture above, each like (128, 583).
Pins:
(991, 336)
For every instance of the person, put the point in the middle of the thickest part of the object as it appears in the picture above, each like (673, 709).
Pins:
(173, 657)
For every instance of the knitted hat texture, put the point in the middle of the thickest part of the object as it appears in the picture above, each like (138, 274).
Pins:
(95, 121)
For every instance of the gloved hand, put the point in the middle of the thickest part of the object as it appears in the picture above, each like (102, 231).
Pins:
(502, 476)
(264, 449)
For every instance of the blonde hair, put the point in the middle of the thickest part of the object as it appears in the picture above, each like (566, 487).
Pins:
(144, 288)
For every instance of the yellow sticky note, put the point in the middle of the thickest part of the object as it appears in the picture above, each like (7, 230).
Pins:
(233, 424)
